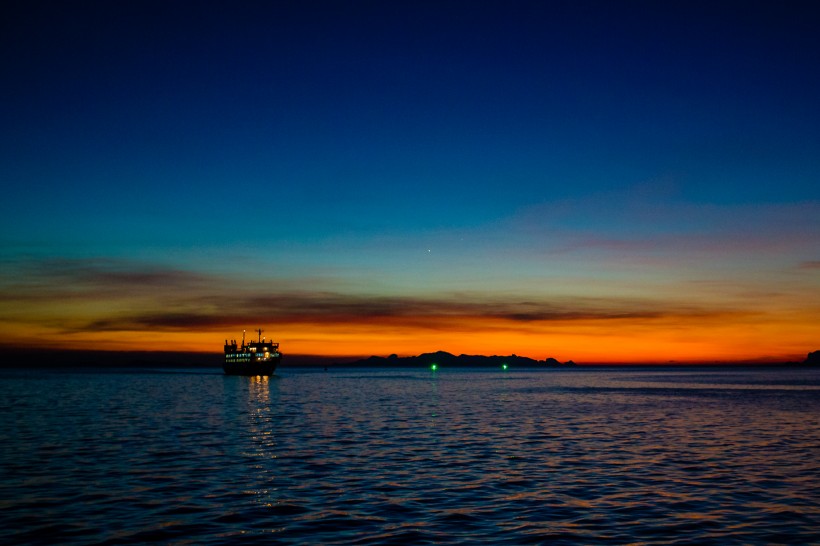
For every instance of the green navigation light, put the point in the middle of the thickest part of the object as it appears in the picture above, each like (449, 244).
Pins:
(503, 366)
(434, 367)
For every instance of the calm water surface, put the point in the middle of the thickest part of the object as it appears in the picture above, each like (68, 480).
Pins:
(603, 456)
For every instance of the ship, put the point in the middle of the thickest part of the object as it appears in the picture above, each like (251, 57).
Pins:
(258, 357)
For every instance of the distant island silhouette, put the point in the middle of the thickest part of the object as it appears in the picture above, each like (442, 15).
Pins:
(16, 357)
(443, 359)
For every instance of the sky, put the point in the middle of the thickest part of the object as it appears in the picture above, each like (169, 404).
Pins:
(601, 181)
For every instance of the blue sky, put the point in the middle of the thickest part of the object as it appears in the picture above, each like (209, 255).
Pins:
(410, 150)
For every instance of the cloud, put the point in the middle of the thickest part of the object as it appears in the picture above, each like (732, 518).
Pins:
(216, 312)
(82, 297)
(39, 279)
(620, 222)
(121, 303)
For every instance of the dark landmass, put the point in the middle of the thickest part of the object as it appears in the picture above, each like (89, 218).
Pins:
(443, 359)
(55, 358)
(16, 357)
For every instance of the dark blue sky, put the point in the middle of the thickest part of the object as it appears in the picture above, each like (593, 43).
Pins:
(336, 133)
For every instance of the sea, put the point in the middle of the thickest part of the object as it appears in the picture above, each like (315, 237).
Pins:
(411, 456)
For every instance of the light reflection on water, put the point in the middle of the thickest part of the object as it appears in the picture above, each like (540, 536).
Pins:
(385, 456)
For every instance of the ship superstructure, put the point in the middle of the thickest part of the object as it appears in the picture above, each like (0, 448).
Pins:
(258, 357)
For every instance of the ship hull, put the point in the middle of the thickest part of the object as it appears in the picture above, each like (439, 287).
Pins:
(254, 367)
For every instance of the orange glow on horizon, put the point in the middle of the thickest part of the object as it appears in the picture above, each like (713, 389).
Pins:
(593, 341)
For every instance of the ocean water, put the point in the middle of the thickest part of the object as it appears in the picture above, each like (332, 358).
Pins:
(359, 456)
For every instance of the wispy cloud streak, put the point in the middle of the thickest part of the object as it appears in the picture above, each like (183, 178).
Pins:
(174, 300)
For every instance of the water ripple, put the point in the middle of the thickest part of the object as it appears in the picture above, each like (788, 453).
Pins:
(352, 457)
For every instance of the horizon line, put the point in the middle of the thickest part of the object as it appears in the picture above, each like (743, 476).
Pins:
(304, 358)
